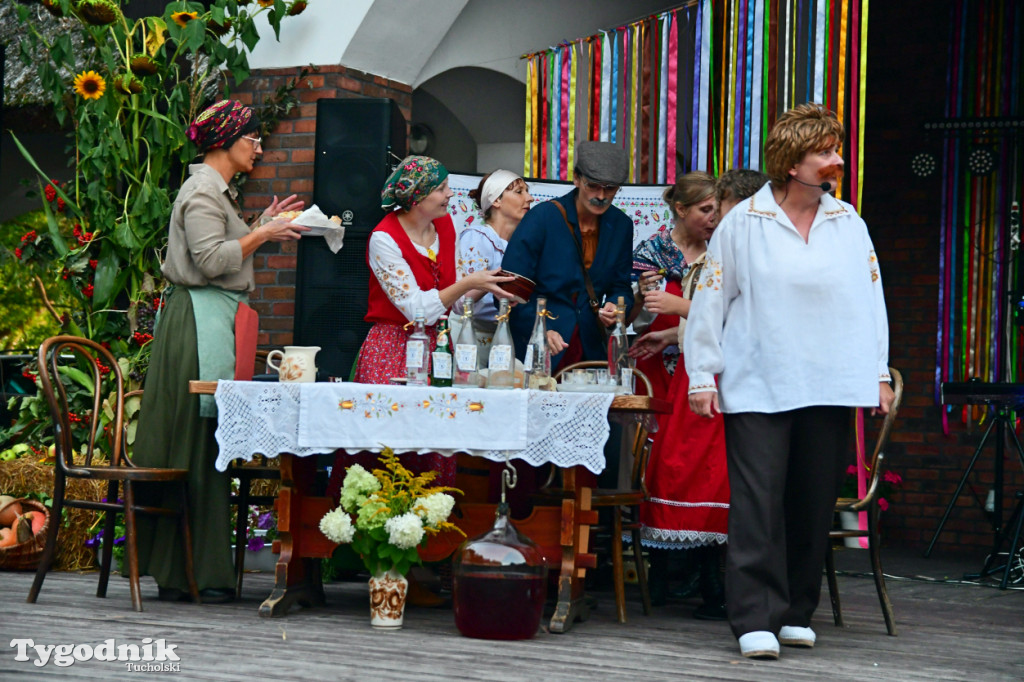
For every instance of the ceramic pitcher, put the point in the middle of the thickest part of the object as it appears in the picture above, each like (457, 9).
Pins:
(295, 364)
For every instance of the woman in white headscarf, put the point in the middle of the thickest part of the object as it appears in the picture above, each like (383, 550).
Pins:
(504, 199)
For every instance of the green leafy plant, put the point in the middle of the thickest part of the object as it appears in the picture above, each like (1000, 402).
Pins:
(387, 514)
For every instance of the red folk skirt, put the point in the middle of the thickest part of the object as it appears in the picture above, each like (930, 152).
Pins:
(687, 477)
(381, 357)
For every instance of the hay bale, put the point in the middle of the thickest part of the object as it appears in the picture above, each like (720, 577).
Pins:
(20, 477)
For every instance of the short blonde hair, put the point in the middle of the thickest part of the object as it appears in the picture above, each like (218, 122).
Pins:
(804, 128)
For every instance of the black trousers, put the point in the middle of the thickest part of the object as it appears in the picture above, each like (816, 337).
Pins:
(785, 470)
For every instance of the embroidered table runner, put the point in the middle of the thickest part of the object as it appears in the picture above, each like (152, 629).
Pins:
(566, 429)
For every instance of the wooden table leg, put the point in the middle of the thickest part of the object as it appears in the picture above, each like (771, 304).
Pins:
(577, 517)
(300, 542)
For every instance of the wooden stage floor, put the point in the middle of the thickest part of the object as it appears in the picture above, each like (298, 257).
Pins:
(946, 632)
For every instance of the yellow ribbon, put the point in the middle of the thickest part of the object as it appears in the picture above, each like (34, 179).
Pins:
(547, 314)
(841, 87)
(527, 145)
(408, 324)
(635, 38)
(502, 318)
(862, 102)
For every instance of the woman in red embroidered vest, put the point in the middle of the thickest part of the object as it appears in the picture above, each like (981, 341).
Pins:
(411, 254)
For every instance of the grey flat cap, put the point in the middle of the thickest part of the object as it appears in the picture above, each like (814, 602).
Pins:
(602, 162)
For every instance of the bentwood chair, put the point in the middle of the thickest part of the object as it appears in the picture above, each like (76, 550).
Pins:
(869, 504)
(623, 502)
(69, 365)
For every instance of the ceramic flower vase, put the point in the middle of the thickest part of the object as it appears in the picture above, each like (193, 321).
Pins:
(387, 599)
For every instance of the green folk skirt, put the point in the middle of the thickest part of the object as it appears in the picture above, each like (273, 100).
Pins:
(172, 434)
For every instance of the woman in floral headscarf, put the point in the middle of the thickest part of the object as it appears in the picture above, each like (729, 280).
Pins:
(411, 254)
(209, 267)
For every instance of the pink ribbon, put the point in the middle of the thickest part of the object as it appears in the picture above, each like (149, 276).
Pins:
(673, 83)
(563, 123)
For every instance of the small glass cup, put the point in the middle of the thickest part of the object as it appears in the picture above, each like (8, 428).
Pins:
(627, 379)
(579, 376)
(602, 377)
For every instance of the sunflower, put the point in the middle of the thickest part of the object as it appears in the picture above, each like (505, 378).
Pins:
(142, 65)
(90, 85)
(99, 12)
(265, 3)
(219, 29)
(182, 18)
(296, 8)
(127, 84)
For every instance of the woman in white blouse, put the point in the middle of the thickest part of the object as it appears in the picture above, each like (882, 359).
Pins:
(790, 318)
(504, 199)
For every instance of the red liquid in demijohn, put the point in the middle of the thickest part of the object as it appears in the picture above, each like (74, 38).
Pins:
(495, 606)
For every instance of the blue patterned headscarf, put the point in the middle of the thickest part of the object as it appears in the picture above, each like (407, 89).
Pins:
(415, 178)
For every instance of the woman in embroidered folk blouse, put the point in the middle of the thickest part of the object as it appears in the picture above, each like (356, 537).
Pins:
(789, 315)
(504, 199)
(412, 257)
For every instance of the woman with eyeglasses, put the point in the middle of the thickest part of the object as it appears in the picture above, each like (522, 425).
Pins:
(209, 269)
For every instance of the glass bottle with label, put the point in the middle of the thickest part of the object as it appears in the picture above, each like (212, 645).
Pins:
(537, 360)
(441, 358)
(417, 352)
(465, 370)
(620, 365)
(501, 362)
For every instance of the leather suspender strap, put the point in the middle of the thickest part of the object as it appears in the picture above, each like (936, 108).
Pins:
(595, 305)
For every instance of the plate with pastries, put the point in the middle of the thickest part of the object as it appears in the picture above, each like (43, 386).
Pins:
(313, 218)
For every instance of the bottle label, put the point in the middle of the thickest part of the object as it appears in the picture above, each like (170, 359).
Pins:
(500, 359)
(465, 357)
(528, 358)
(442, 367)
(414, 354)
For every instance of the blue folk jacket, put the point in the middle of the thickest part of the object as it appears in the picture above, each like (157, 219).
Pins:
(541, 248)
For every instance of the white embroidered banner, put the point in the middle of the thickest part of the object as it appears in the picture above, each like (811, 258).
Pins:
(356, 416)
(642, 203)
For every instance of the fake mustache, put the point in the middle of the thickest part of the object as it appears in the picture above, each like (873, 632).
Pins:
(600, 203)
(831, 172)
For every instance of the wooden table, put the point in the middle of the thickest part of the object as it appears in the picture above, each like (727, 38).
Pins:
(564, 532)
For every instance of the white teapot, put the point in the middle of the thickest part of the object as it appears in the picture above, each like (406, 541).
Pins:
(297, 363)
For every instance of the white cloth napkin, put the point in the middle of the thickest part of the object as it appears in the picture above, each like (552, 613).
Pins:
(322, 226)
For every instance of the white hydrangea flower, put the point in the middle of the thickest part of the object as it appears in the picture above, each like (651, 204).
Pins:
(357, 486)
(336, 525)
(434, 509)
(405, 531)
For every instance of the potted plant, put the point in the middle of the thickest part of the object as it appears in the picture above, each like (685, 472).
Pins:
(386, 515)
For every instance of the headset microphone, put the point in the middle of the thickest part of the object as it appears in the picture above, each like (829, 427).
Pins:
(824, 187)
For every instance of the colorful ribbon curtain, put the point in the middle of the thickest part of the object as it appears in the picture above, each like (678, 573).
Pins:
(698, 87)
(981, 277)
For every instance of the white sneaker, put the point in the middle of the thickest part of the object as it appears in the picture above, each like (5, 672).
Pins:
(792, 635)
(759, 644)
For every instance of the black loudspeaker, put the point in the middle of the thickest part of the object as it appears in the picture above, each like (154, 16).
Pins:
(358, 143)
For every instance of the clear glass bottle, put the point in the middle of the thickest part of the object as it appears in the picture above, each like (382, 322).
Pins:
(465, 350)
(537, 360)
(501, 362)
(618, 348)
(441, 358)
(417, 352)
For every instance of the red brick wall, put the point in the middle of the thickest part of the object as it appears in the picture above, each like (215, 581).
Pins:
(287, 168)
(906, 87)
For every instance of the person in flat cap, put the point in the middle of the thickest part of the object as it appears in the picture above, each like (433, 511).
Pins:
(577, 248)
(209, 267)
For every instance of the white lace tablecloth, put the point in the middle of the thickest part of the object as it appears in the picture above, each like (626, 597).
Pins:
(566, 429)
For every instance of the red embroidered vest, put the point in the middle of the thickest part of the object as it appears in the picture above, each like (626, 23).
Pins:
(429, 275)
